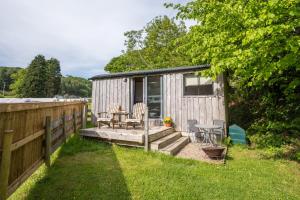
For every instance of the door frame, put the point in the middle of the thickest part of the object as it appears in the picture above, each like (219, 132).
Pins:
(145, 93)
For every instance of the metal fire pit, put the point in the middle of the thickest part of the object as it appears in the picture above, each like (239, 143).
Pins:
(214, 152)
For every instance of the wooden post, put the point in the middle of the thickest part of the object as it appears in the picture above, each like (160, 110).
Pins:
(74, 120)
(64, 126)
(84, 114)
(226, 101)
(146, 129)
(5, 163)
(48, 141)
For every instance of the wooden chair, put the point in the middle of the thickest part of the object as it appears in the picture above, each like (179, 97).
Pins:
(108, 118)
(137, 116)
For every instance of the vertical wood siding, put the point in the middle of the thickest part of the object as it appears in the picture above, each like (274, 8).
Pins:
(109, 92)
(181, 108)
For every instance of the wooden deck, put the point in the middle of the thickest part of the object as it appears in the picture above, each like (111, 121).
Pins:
(131, 137)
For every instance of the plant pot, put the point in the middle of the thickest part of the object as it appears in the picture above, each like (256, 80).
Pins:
(214, 152)
(168, 125)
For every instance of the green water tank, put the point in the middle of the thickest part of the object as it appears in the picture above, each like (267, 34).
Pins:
(237, 134)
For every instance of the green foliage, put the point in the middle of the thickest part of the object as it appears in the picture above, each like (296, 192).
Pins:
(152, 47)
(257, 44)
(5, 77)
(42, 78)
(76, 86)
(227, 141)
(18, 82)
(35, 81)
(54, 77)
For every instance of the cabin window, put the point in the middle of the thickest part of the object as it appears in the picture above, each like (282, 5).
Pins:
(196, 85)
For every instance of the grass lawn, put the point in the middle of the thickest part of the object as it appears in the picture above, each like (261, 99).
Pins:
(83, 169)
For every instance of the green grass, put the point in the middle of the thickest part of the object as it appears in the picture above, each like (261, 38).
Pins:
(83, 169)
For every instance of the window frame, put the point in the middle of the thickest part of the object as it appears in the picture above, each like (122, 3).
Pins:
(198, 79)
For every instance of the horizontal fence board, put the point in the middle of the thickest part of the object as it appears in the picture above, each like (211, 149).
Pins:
(56, 134)
(56, 123)
(57, 144)
(14, 107)
(24, 141)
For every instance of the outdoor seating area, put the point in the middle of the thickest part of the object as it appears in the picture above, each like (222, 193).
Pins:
(116, 116)
(208, 137)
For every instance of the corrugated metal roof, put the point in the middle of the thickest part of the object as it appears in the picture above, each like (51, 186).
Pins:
(151, 72)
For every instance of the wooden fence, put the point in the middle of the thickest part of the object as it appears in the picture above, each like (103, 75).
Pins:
(29, 133)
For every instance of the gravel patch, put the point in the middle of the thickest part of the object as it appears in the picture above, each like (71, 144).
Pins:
(194, 151)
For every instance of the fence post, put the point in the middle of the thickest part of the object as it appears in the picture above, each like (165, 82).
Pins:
(83, 117)
(64, 126)
(5, 163)
(146, 129)
(74, 120)
(48, 141)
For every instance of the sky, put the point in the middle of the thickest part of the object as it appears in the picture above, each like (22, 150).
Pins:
(82, 34)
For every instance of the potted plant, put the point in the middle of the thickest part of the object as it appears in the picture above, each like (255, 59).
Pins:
(168, 121)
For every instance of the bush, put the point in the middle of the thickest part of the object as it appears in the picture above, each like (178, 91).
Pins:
(227, 141)
(297, 156)
(267, 140)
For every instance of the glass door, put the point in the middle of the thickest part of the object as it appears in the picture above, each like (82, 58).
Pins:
(154, 96)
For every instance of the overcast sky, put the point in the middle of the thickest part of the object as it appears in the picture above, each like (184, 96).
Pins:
(82, 34)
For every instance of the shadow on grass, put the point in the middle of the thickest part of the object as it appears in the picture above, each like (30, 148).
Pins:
(83, 169)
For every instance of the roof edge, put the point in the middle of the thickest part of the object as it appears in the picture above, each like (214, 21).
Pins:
(151, 72)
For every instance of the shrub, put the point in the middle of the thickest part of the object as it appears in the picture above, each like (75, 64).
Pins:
(227, 141)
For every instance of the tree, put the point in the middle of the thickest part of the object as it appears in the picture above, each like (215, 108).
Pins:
(54, 77)
(18, 83)
(152, 47)
(5, 77)
(257, 43)
(36, 77)
(76, 86)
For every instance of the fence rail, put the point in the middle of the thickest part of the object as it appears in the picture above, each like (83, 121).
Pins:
(29, 133)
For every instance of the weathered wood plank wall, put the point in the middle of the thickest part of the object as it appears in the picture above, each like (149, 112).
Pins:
(183, 108)
(109, 92)
(27, 120)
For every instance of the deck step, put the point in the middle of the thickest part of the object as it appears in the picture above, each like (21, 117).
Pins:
(164, 141)
(158, 135)
(176, 146)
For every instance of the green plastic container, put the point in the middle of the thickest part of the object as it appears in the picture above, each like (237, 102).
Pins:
(237, 134)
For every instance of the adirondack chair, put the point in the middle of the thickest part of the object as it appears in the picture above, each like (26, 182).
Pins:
(108, 118)
(137, 116)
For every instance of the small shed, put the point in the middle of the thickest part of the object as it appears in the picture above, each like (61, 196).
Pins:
(174, 92)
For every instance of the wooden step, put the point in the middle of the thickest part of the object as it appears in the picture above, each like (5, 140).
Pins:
(163, 133)
(176, 146)
(164, 141)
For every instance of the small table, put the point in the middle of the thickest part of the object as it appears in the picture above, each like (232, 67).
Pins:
(208, 130)
(119, 114)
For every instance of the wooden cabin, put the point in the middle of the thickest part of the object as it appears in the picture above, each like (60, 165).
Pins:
(174, 92)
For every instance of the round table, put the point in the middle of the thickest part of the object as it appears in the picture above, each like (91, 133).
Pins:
(208, 130)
